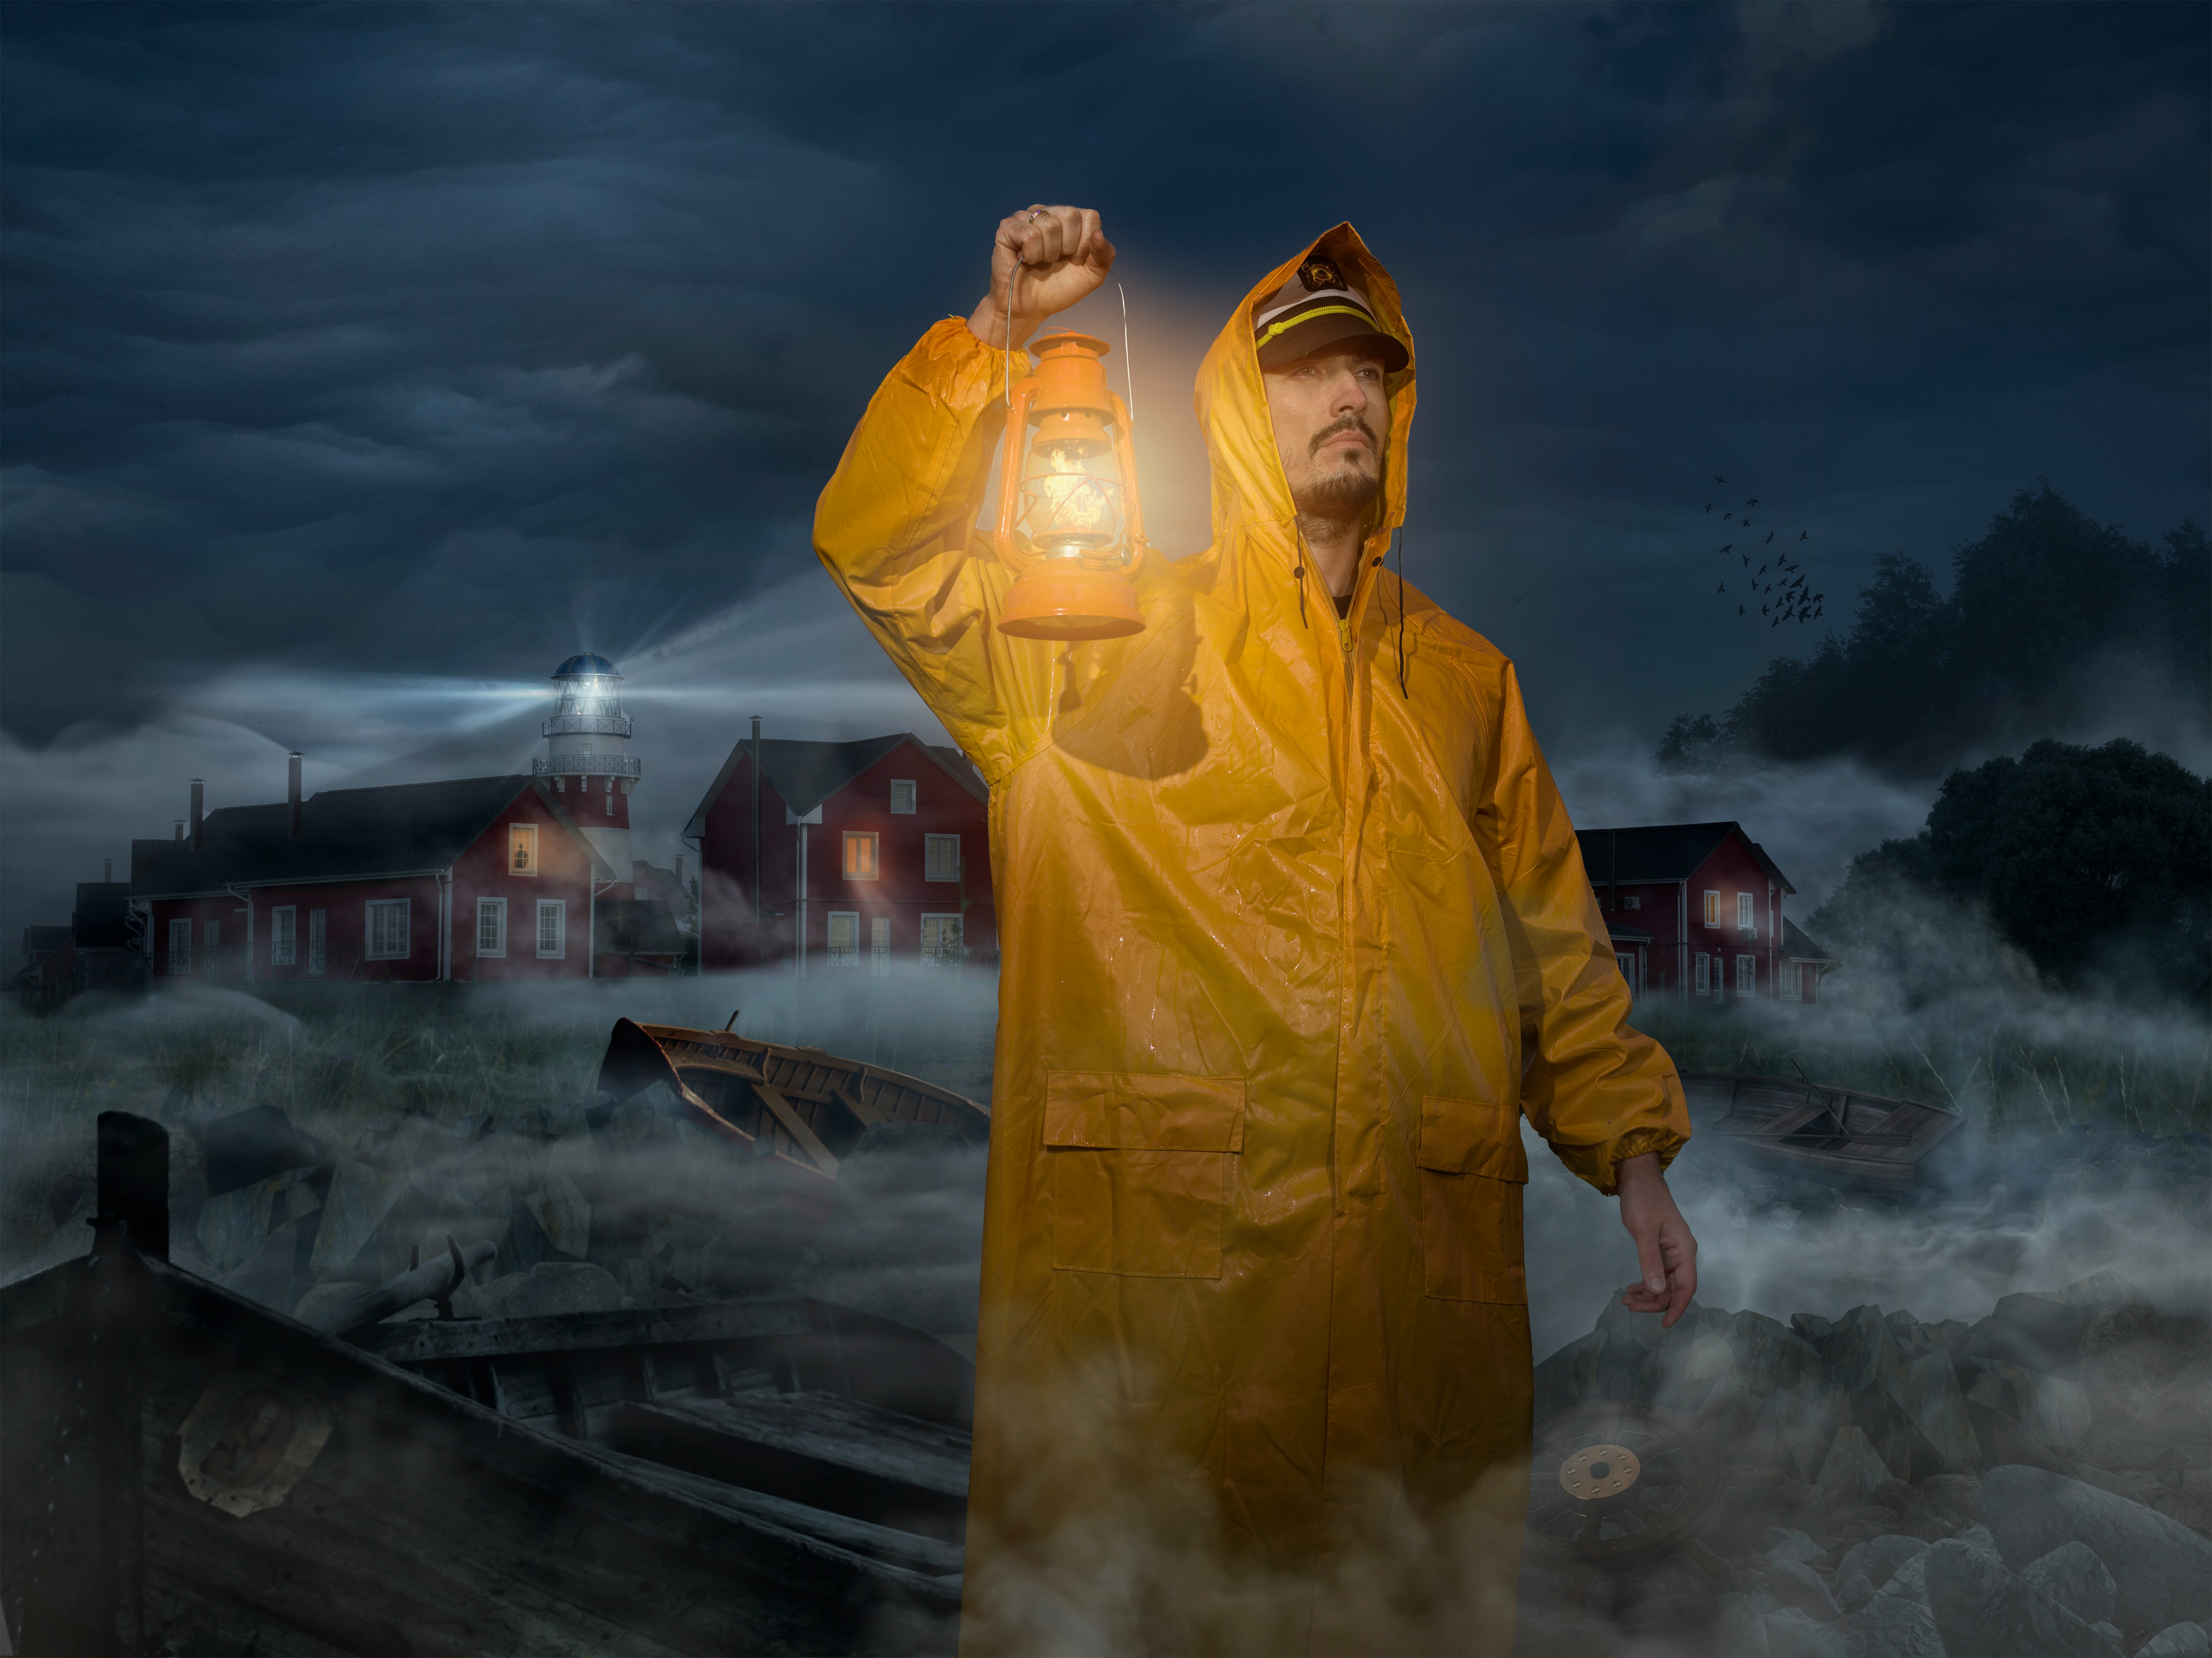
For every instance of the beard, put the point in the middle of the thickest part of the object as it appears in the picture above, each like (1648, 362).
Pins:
(1343, 492)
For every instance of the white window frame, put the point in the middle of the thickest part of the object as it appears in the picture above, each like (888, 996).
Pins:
(284, 935)
(1705, 974)
(369, 911)
(1625, 960)
(493, 910)
(902, 797)
(1712, 909)
(1793, 982)
(1746, 913)
(180, 960)
(526, 836)
(557, 910)
(875, 845)
(879, 946)
(211, 949)
(319, 942)
(932, 847)
(1747, 974)
(845, 956)
(940, 958)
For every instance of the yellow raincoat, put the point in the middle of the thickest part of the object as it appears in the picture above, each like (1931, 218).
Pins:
(1285, 955)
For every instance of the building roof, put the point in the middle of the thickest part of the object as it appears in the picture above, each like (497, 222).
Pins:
(806, 774)
(102, 919)
(397, 829)
(1663, 852)
(591, 662)
(38, 940)
(1798, 947)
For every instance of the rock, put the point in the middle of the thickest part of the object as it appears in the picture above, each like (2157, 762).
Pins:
(1956, 1494)
(548, 1288)
(1791, 1633)
(1984, 1611)
(2072, 1575)
(250, 1146)
(1870, 1565)
(1781, 1543)
(1852, 1467)
(2106, 1632)
(2177, 1641)
(563, 1215)
(2054, 1410)
(275, 1274)
(1895, 1624)
(2162, 1570)
(2131, 1355)
(1739, 1630)
(1926, 1390)
(1797, 1584)
(361, 1196)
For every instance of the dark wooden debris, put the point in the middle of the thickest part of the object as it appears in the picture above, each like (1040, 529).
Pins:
(1834, 1137)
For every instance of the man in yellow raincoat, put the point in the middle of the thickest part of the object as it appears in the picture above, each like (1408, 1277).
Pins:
(1292, 938)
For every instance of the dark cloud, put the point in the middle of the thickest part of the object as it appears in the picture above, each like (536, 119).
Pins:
(348, 343)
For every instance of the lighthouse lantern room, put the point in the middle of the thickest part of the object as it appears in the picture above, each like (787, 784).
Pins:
(587, 755)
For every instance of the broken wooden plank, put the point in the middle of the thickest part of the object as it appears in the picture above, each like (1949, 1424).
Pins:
(424, 1341)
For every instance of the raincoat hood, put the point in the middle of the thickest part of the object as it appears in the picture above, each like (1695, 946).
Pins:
(1249, 488)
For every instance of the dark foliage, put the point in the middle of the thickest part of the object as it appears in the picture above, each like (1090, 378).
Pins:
(2097, 863)
(2040, 606)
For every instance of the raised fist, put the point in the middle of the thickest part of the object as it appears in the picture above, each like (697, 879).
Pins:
(1043, 260)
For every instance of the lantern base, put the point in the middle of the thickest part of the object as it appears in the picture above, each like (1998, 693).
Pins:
(1092, 605)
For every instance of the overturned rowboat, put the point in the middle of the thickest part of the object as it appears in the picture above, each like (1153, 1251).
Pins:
(1834, 1137)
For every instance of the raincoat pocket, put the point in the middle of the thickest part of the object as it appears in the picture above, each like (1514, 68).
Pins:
(1472, 1170)
(1140, 1170)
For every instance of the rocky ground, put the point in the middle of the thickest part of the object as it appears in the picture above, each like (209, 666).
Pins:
(2038, 1482)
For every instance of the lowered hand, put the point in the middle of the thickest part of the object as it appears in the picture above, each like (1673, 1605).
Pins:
(1665, 1251)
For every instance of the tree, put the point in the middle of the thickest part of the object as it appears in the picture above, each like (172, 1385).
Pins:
(2097, 863)
(2046, 598)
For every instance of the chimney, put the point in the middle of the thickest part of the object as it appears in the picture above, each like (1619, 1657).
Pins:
(199, 807)
(292, 796)
(180, 828)
(107, 871)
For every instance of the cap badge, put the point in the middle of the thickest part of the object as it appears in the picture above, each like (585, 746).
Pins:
(1319, 272)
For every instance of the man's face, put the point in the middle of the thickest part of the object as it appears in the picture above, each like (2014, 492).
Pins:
(1331, 418)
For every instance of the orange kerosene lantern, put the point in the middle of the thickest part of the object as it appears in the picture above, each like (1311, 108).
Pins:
(1069, 526)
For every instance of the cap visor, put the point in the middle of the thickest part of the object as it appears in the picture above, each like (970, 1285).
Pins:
(1333, 333)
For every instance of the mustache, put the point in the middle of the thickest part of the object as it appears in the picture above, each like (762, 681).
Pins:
(1345, 423)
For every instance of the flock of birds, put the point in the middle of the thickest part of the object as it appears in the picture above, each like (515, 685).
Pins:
(1796, 602)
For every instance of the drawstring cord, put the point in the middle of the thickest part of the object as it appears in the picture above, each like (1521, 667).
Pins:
(1398, 541)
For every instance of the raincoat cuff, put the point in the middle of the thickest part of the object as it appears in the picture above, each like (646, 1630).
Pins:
(1634, 1144)
(960, 371)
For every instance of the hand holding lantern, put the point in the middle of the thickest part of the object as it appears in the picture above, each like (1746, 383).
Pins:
(1069, 526)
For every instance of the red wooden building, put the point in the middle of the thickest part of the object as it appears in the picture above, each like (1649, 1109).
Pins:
(483, 878)
(1695, 911)
(847, 858)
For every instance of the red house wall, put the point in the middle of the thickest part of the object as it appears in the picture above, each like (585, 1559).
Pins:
(900, 894)
(563, 873)
(1729, 870)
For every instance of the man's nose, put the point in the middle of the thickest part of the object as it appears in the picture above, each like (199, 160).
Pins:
(1351, 395)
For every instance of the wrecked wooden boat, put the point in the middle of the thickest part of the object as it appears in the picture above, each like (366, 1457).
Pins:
(1834, 1137)
(802, 1107)
(188, 1470)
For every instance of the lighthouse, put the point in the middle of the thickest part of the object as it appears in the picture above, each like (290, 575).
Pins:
(587, 756)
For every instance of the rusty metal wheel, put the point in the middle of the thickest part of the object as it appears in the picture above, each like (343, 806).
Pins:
(1615, 1486)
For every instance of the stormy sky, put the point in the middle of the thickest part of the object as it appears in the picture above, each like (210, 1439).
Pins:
(358, 362)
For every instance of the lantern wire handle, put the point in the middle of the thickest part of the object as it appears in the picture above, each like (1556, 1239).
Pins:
(1128, 365)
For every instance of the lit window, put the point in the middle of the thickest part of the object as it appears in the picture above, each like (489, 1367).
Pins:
(552, 929)
(522, 848)
(940, 940)
(1747, 913)
(902, 797)
(1712, 909)
(491, 926)
(180, 947)
(1705, 974)
(844, 938)
(860, 856)
(319, 940)
(1746, 975)
(942, 858)
(387, 929)
(284, 936)
(879, 947)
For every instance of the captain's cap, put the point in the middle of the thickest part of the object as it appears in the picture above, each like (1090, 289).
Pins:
(1317, 310)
